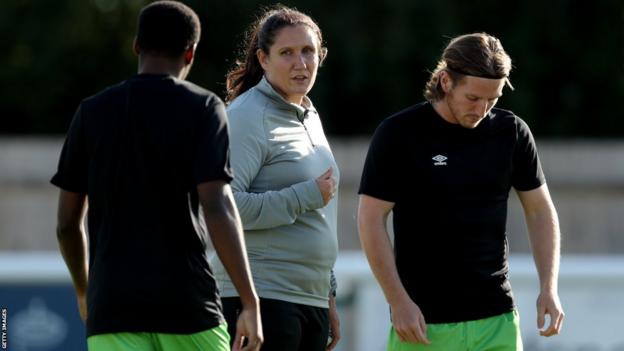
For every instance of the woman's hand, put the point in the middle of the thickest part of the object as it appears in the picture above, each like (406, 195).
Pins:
(327, 185)
(334, 324)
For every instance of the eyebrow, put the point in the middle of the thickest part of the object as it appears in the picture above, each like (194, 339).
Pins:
(295, 46)
(478, 97)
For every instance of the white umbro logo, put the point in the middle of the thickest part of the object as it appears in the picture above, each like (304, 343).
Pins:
(439, 160)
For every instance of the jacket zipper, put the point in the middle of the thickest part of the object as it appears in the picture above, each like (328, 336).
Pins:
(305, 114)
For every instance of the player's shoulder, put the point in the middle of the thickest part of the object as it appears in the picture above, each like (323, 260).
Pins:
(105, 95)
(409, 112)
(192, 91)
(503, 115)
(405, 119)
(506, 118)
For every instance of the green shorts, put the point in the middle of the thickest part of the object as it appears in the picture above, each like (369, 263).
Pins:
(498, 333)
(215, 339)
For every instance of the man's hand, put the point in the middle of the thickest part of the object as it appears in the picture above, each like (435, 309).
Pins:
(72, 241)
(545, 237)
(82, 306)
(226, 232)
(248, 328)
(407, 319)
(334, 324)
(409, 323)
(548, 304)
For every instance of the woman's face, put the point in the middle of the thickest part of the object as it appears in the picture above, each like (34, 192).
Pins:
(292, 62)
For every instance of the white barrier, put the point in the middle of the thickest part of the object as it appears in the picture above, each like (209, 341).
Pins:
(591, 289)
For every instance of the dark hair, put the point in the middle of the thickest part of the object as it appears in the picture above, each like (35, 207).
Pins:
(247, 72)
(167, 28)
(476, 54)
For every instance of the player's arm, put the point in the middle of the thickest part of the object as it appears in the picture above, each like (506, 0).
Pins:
(544, 236)
(407, 318)
(72, 241)
(226, 233)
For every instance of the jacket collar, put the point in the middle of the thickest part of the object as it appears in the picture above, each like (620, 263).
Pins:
(301, 111)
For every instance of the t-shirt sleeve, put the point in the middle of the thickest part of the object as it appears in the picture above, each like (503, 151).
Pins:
(379, 174)
(213, 155)
(73, 167)
(527, 170)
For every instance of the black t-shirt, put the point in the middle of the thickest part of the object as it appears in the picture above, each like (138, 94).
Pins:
(138, 150)
(450, 187)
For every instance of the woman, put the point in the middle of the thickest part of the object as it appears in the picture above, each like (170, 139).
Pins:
(285, 184)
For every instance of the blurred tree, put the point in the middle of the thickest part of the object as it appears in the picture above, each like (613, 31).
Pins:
(568, 57)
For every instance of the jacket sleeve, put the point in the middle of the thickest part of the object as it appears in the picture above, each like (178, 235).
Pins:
(249, 150)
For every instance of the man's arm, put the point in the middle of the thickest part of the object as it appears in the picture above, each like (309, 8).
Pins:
(226, 233)
(544, 236)
(72, 241)
(407, 319)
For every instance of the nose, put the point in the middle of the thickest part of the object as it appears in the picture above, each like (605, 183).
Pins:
(482, 107)
(300, 61)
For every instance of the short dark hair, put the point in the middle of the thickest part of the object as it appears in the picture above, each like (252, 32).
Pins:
(477, 54)
(167, 28)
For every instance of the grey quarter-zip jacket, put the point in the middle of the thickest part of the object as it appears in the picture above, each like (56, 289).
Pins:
(277, 150)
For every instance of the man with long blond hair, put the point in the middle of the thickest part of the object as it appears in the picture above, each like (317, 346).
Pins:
(447, 279)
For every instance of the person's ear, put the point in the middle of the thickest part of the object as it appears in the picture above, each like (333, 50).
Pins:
(263, 58)
(189, 54)
(135, 47)
(322, 55)
(445, 81)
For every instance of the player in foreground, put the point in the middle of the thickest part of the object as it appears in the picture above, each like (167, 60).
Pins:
(447, 280)
(145, 154)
